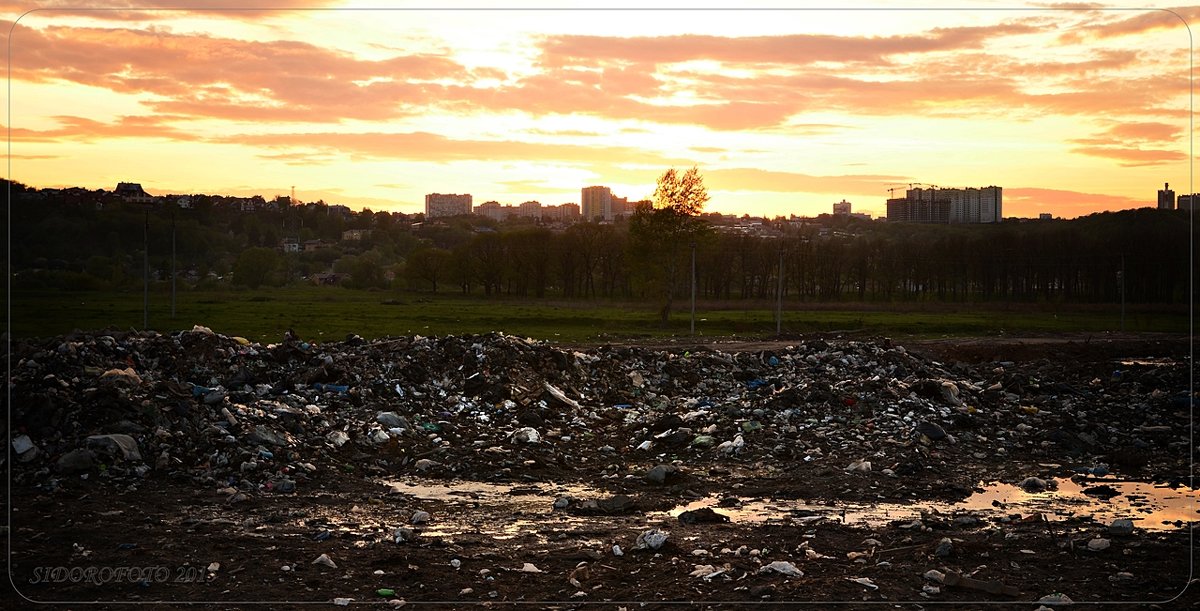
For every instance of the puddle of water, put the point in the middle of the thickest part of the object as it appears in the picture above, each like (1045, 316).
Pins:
(467, 492)
(1150, 507)
(500, 511)
(503, 511)
(1150, 361)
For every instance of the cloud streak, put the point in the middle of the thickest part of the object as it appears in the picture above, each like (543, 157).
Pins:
(87, 130)
(791, 50)
(1126, 142)
(429, 147)
(133, 10)
(1029, 201)
(231, 79)
(752, 179)
(1147, 20)
(637, 79)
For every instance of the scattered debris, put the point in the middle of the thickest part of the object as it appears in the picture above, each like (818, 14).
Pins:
(260, 429)
(651, 539)
(864, 581)
(325, 560)
(954, 579)
(783, 568)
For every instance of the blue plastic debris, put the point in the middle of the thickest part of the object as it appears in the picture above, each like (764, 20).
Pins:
(338, 388)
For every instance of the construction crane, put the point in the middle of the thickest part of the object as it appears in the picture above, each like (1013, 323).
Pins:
(891, 189)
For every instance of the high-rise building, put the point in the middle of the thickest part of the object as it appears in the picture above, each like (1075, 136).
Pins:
(596, 204)
(934, 205)
(441, 204)
(530, 209)
(564, 213)
(1166, 197)
(491, 210)
(972, 205)
(621, 207)
(1189, 202)
(842, 208)
(920, 206)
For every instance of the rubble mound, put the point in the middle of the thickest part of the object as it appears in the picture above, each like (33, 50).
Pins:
(266, 418)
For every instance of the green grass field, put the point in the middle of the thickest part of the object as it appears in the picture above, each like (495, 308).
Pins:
(330, 313)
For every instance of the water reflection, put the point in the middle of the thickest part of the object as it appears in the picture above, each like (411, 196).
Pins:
(507, 511)
(1149, 506)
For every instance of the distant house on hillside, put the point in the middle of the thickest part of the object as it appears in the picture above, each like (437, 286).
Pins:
(355, 235)
(133, 193)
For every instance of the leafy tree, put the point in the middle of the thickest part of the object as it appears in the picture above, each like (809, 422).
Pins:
(255, 266)
(490, 260)
(428, 266)
(462, 267)
(660, 232)
(367, 272)
(528, 251)
(587, 241)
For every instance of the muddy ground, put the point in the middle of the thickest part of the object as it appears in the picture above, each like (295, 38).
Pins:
(504, 542)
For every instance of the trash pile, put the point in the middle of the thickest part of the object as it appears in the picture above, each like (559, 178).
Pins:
(264, 419)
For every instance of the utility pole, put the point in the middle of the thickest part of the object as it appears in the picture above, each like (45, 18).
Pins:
(779, 299)
(146, 270)
(172, 265)
(693, 288)
(1121, 279)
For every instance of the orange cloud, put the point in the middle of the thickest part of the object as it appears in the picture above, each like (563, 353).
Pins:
(133, 10)
(791, 50)
(751, 179)
(1151, 19)
(1030, 201)
(1146, 131)
(1131, 156)
(1105, 59)
(422, 146)
(1117, 96)
(610, 77)
(1123, 142)
(300, 158)
(83, 129)
(226, 78)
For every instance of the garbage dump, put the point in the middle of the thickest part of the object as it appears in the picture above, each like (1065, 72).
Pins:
(290, 446)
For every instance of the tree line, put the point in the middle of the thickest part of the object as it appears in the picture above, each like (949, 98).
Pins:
(1142, 255)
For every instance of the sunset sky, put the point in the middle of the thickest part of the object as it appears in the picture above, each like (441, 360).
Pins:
(1071, 109)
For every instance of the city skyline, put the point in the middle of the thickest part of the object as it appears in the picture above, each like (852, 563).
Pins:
(1073, 111)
